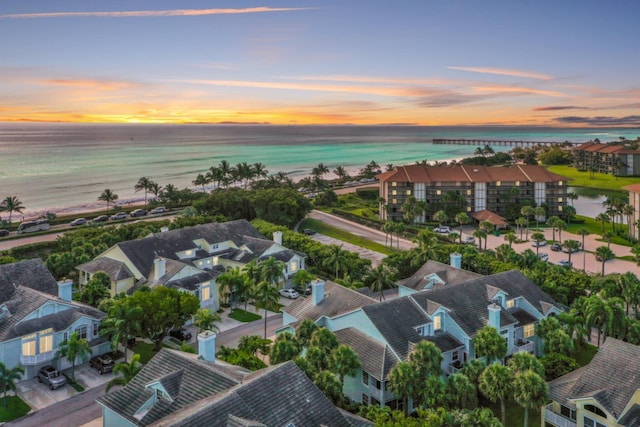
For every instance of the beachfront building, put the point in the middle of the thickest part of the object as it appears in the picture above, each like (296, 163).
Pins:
(449, 315)
(189, 259)
(634, 201)
(605, 393)
(37, 314)
(614, 159)
(472, 189)
(181, 389)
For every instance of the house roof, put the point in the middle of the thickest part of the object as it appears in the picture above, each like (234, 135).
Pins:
(191, 283)
(337, 300)
(605, 148)
(293, 399)
(116, 270)
(522, 316)
(492, 217)
(198, 380)
(612, 377)
(631, 417)
(32, 273)
(635, 188)
(376, 358)
(450, 275)
(467, 173)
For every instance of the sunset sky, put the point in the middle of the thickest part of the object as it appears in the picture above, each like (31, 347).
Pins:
(556, 63)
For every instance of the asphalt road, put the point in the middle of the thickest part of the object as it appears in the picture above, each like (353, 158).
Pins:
(231, 337)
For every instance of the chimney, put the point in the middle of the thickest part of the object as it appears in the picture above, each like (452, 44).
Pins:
(455, 259)
(277, 237)
(494, 316)
(317, 291)
(159, 268)
(164, 229)
(207, 346)
(65, 289)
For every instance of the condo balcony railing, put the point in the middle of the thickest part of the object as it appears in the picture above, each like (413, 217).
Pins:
(38, 358)
(557, 419)
(524, 345)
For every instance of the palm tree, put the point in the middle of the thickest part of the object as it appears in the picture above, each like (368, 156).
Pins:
(402, 382)
(630, 288)
(124, 372)
(229, 282)
(480, 235)
(73, 348)
(155, 189)
(11, 204)
(335, 259)
(440, 217)
(510, 237)
(201, 180)
(206, 320)
(573, 196)
(426, 358)
(93, 293)
(604, 254)
(539, 212)
(428, 246)
(572, 246)
(380, 279)
(552, 222)
(301, 279)
(341, 172)
(259, 171)
(602, 314)
(488, 342)
(267, 296)
(460, 392)
(462, 218)
(344, 361)
(537, 237)
(143, 184)
(320, 170)
(8, 378)
(628, 210)
(530, 392)
(109, 197)
(603, 218)
(271, 271)
(284, 348)
(225, 172)
(122, 323)
(496, 383)
(561, 226)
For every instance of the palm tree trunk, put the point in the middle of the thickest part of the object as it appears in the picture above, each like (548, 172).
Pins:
(265, 322)
(503, 413)
(526, 416)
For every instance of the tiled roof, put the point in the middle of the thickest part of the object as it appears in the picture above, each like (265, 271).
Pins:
(356, 420)
(32, 273)
(191, 283)
(612, 378)
(116, 270)
(292, 398)
(631, 418)
(635, 188)
(465, 173)
(450, 275)
(375, 357)
(522, 316)
(445, 341)
(337, 300)
(199, 380)
(492, 217)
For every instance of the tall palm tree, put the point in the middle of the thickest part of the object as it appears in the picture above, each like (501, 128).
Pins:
(572, 246)
(122, 323)
(267, 296)
(271, 271)
(341, 172)
(109, 197)
(462, 218)
(206, 320)
(320, 170)
(496, 383)
(604, 254)
(530, 392)
(74, 348)
(488, 342)
(537, 237)
(440, 217)
(603, 218)
(229, 282)
(603, 314)
(573, 196)
(380, 279)
(8, 379)
(344, 361)
(11, 204)
(335, 258)
(510, 237)
(155, 189)
(259, 171)
(143, 184)
(480, 235)
(539, 212)
(201, 180)
(124, 372)
(428, 246)
(402, 382)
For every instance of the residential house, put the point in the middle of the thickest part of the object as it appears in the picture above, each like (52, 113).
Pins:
(182, 389)
(449, 315)
(604, 393)
(189, 259)
(434, 274)
(37, 315)
(614, 159)
(634, 202)
(470, 189)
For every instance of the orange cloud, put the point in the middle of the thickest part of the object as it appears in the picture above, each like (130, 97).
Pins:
(94, 84)
(505, 72)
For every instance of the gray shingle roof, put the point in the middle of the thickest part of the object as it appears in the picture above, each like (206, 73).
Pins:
(32, 273)
(116, 270)
(450, 275)
(376, 358)
(612, 377)
(631, 417)
(292, 398)
(445, 341)
(522, 316)
(191, 283)
(199, 380)
(337, 300)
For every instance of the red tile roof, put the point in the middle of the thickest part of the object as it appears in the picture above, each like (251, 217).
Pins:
(492, 217)
(634, 188)
(606, 148)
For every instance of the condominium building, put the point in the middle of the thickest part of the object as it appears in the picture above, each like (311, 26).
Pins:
(613, 159)
(472, 188)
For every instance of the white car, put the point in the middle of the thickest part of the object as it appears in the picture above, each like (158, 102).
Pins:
(442, 229)
(158, 210)
(543, 256)
(469, 240)
(289, 293)
(539, 243)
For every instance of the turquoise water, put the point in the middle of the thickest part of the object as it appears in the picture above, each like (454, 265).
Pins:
(66, 166)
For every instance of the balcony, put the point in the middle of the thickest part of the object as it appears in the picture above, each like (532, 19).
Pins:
(524, 345)
(38, 358)
(453, 368)
(557, 419)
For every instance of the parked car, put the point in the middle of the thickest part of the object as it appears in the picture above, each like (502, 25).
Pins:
(556, 247)
(51, 377)
(469, 240)
(78, 221)
(309, 231)
(102, 363)
(181, 334)
(158, 210)
(539, 243)
(564, 263)
(101, 218)
(4, 232)
(289, 293)
(119, 215)
(543, 256)
(442, 229)
(138, 212)
(305, 291)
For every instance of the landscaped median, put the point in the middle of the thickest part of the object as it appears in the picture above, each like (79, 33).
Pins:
(345, 236)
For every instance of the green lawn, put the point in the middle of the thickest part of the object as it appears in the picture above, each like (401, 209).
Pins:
(244, 316)
(585, 353)
(601, 181)
(595, 227)
(345, 236)
(76, 385)
(145, 350)
(515, 413)
(15, 408)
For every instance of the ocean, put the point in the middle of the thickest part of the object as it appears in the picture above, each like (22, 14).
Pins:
(64, 167)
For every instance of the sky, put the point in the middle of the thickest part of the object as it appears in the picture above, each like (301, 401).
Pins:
(549, 63)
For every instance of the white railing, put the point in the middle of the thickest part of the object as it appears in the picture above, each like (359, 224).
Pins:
(38, 358)
(451, 369)
(527, 346)
(557, 419)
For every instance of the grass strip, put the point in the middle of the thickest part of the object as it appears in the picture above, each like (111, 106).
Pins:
(345, 236)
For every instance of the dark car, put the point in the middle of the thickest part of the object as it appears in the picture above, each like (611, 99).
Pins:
(4, 233)
(181, 334)
(102, 363)
(101, 218)
(138, 212)
(309, 231)
(306, 291)
(556, 247)
(52, 377)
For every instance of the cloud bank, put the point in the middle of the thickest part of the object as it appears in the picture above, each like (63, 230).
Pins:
(153, 13)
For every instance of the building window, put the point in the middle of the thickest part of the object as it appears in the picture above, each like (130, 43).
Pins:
(365, 378)
(560, 183)
(420, 330)
(468, 192)
(394, 184)
(205, 293)
(29, 345)
(454, 356)
(365, 399)
(568, 412)
(377, 384)
(468, 208)
(95, 329)
(588, 422)
(517, 183)
(189, 252)
(408, 192)
(559, 208)
(394, 201)
(65, 336)
(437, 322)
(511, 303)
(498, 183)
(559, 199)
(438, 192)
(529, 330)
(46, 343)
(595, 410)
(158, 394)
(82, 332)
(294, 266)
(394, 192)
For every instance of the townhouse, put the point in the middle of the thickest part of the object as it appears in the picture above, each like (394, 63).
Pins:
(614, 159)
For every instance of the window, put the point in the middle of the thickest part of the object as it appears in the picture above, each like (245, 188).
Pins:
(588, 422)
(95, 329)
(158, 394)
(559, 199)
(377, 384)
(454, 356)
(365, 378)
(568, 412)
(420, 330)
(437, 322)
(468, 192)
(408, 192)
(595, 410)
(46, 343)
(529, 330)
(394, 184)
(394, 201)
(82, 332)
(560, 183)
(498, 183)
(560, 208)
(517, 183)
(438, 192)
(29, 345)
(365, 399)
(511, 303)
(205, 293)
(394, 192)
(468, 208)
(294, 266)
(65, 336)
